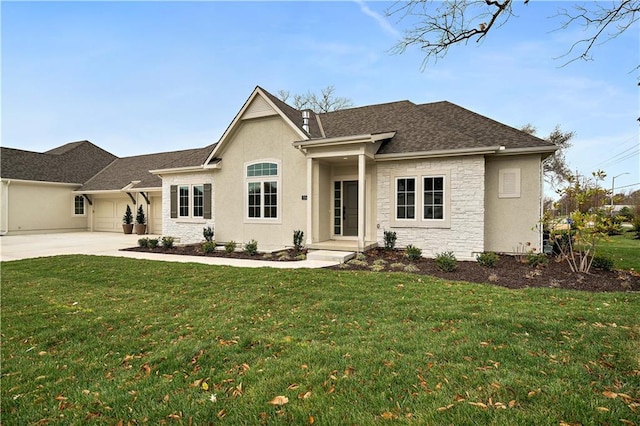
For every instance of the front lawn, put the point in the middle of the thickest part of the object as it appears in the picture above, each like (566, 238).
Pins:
(624, 250)
(101, 340)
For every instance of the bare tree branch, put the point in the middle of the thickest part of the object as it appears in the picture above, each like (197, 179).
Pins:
(325, 101)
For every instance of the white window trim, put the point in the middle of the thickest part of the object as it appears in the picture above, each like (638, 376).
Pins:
(84, 207)
(190, 199)
(420, 221)
(416, 198)
(262, 179)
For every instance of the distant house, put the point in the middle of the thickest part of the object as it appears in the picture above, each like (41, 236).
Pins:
(442, 177)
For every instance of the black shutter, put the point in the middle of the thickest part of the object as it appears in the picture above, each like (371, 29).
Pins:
(207, 201)
(174, 201)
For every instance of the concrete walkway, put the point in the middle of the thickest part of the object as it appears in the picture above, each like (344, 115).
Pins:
(16, 247)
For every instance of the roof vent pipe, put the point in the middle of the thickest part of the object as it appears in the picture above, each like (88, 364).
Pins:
(305, 121)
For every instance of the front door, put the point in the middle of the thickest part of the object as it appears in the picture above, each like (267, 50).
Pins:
(350, 208)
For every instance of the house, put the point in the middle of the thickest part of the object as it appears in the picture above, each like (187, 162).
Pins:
(441, 177)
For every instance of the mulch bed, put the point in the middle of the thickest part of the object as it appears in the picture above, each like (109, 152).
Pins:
(508, 271)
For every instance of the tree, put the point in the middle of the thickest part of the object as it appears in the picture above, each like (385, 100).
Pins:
(326, 101)
(440, 25)
(555, 167)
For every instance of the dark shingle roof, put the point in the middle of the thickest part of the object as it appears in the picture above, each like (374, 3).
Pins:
(296, 115)
(75, 162)
(123, 171)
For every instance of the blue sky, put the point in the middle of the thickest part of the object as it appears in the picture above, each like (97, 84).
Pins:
(143, 77)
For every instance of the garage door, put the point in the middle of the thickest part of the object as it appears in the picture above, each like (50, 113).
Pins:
(107, 214)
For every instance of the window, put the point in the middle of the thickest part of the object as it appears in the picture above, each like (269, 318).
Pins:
(262, 181)
(337, 207)
(78, 205)
(433, 197)
(405, 198)
(191, 201)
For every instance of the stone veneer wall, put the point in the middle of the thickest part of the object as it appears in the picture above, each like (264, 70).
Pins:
(185, 230)
(465, 236)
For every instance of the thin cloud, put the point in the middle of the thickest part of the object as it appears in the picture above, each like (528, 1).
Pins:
(384, 24)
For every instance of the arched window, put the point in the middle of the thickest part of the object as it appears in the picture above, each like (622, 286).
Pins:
(263, 186)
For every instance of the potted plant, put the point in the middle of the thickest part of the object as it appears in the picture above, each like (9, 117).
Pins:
(141, 222)
(127, 221)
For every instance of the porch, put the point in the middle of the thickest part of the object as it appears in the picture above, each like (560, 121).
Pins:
(341, 245)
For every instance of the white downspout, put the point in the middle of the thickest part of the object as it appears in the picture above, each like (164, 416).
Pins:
(361, 202)
(310, 205)
(5, 207)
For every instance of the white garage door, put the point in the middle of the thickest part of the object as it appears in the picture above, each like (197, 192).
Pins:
(107, 214)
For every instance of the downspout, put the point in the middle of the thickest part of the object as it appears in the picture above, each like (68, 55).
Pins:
(5, 205)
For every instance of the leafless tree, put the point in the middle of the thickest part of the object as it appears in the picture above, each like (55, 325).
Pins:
(325, 101)
(555, 167)
(436, 26)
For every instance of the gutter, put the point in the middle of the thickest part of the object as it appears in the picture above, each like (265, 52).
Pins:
(440, 153)
(531, 150)
(344, 140)
(194, 169)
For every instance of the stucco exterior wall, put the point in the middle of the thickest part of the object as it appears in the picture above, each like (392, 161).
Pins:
(464, 234)
(261, 139)
(40, 208)
(512, 222)
(186, 230)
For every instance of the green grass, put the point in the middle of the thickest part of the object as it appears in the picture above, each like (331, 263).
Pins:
(624, 250)
(99, 340)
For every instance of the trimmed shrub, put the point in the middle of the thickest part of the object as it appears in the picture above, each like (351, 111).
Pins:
(298, 237)
(390, 238)
(251, 248)
(537, 259)
(208, 247)
(143, 242)
(602, 262)
(413, 253)
(488, 259)
(207, 233)
(153, 242)
(167, 242)
(446, 261)
(230, 246)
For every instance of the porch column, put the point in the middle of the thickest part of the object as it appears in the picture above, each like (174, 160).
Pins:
(309, 201)
(361, 201)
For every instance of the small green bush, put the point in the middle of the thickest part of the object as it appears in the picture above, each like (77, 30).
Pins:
(446, 261)
(230, 246)
(410, 268)
(390, 238)
(298, 237)
(413, 253)
(207, 233)
(143, 242)
(602, 262)
(537, 259)
(301, 256)
(251, 248)
(488, 259)
(153, 242)
(167, 242)
(208, 247)
(361, 256)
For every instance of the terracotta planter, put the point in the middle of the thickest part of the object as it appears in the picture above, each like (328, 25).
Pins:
(140, 229)
(127, 228)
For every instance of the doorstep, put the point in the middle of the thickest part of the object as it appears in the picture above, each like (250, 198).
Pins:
(330, 255)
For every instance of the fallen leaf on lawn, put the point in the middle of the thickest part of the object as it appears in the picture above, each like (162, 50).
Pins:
(175, 416)
(146, 368)
(512, 403)
(304, 395)
(331, 389)
(311, 420)
(532, 393)
(627, 422)
(478, 404)
(388, 415)
(445, 408)
(602, 409)
(41, 353)
(279, 400)
(610, 394)
(222, 413)
(293, 386)
(60, 398)
(304, 366)
(204, 386)
(237, 391)
(166, 398)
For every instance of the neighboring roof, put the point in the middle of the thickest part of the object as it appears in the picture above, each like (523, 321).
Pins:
(427, 127)
(75, 162)
(123, 171)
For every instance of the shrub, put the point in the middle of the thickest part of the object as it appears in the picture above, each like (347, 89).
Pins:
(301, 256)
(413, 253)
(602, 262)
(143, 242)
(251, 248)
(636, 226)
(298, 237)
(537, 259)
(207, 233)
(230, 246)
(140, 217)
(208, 247)
(410, 268)
(153, 242)
(488, 259)
(128, 216)
(167, 242)
(361, 256)
(389, 240)
(446, 261)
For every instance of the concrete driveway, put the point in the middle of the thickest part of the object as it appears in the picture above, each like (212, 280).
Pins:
(16, 247)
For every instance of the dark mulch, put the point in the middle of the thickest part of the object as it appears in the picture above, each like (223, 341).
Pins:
(508, 272)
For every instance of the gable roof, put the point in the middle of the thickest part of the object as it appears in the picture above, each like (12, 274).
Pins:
(124, 171)
(75, 163)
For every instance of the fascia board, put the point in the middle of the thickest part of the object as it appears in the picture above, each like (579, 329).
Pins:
(40, 182)
(439, 153)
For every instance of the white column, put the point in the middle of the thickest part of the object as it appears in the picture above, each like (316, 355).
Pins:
(309, 201)
(361, 201)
